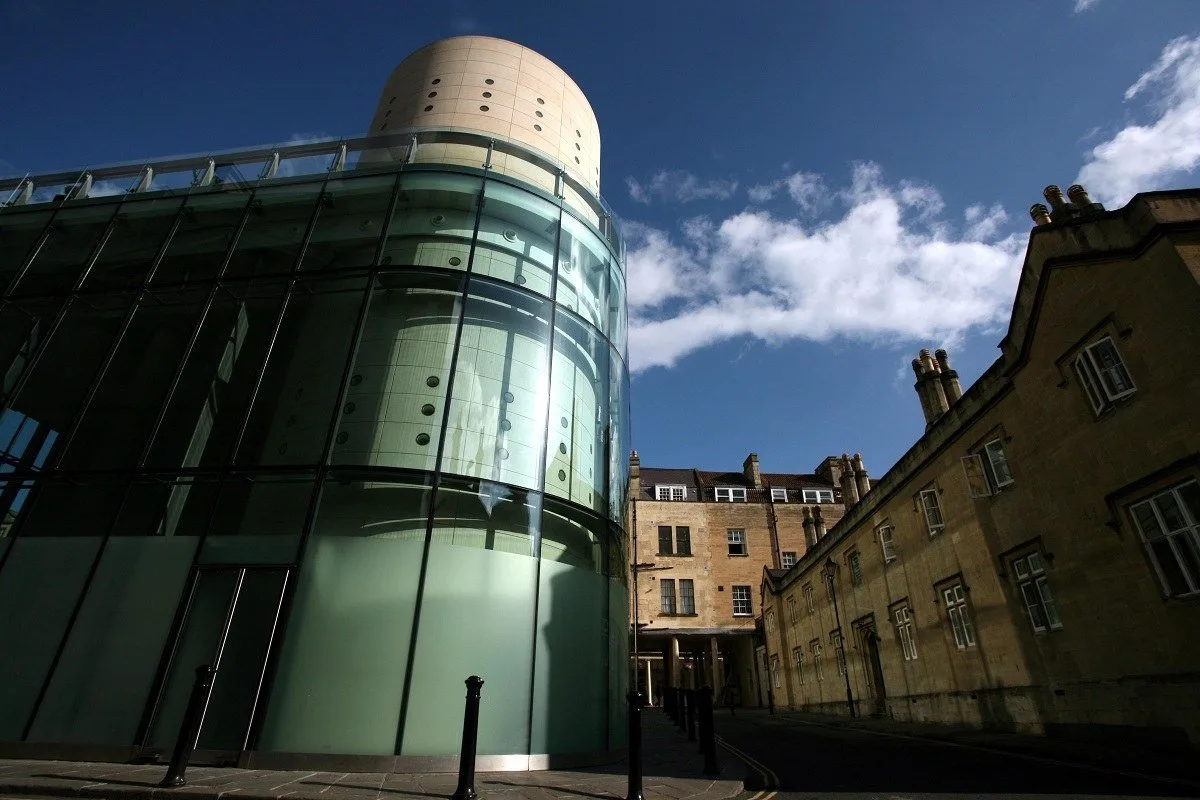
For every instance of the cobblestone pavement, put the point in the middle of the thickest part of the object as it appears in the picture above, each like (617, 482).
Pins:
(673, 771)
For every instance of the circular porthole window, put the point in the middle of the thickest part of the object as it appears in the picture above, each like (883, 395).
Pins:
(522, 280)
(355, 380)
(428, 409)
(577, 133)
(564, 422)
(502, 453)
(562, 474)
(510, 234)
(487, 94)
(577, 147)
(455, 261)
(386, 260)
(436, 81)
(537, 127)
(540, 114)
(429, 108)
(562, 448)
(508, 397)
(483, 108)
(541, 102)
(488, 81)
(432, 94)
(437, 220)
(577, 161)
(432, 381)
(422, 439)
(349, 408)
(343, 437)
(505, 425)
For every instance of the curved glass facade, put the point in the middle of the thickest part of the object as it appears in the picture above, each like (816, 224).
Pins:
(349, 436)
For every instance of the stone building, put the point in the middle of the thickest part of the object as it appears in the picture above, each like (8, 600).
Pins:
(702, 541)
(1033, 561)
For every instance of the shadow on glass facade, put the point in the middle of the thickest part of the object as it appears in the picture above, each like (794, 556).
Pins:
(349, 436)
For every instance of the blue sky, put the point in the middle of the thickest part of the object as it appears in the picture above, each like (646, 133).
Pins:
(813, 191)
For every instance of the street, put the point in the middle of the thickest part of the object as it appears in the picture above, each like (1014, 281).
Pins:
(798, 758)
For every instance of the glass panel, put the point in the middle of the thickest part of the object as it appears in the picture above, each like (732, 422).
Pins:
(197, 645)
(583, 265)
(572, 536)
(84, 507)
(13, 495)
(19, 232)
(168, 507)
(258, 520)
(206, 228)
(235, 687)
(340, 679)
(477, 616)
(396, 398)
(269, 244)
(1186, 547)
(516, 238)
(119, 418)
(1147, 520)
(1112, 371)
(1189, 493)
(291, 417)
(39, 587)
(1168, 507)
(57, 386)
(618, 431)
(107, 669)
(575, 426)
(1172, 573)
(74, 234)
(616, 627)
(137, 235)
(433, 221)
(1049, 604)
(205, 413)
(350, 223)
(497, 416)
(618, 311)
(24, 327)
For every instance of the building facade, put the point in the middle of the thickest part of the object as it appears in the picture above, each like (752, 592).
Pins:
(1033, 561)
(343, 420)
(702, 541)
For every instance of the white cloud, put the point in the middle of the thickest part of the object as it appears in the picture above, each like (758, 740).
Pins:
(679, 186)
(888, 266)
(1084, 5)
(1144, 157)
(807, 189)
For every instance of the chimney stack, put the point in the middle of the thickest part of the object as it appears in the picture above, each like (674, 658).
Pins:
(849, 487)
(929, 388)
(751, 470)
(862, 481)
(635, 476)
(1060, 209)
(1079, 196)
(950, 384)
(1039, 214)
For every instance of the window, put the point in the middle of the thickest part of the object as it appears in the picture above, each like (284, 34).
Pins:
(670, 492)
(779, 495)
(770, 622)
(839, 652)
(1030, 572)
(1170, 526)
(856, 577)
(683, 540)
(736, 537)
(775, 671)
(667, 590)
(814, 647)
(987, 471)
(742, 606)
(730, 494)
(793, 613)
(904, 629)
(818, 495)
(687, 596)
(933, 511)
(886, 543)
(798, 657)
(664, 540)
(789, 559)
(960, 619)
(1102, 375)
(808, 597)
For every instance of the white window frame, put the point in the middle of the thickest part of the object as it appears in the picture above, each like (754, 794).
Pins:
(808, 597)
(687, 600)
(987, 471)
(775, 672)
(784, 558)
(793, 611)
(730, 494)
(955, 598)
(668, 602)
(741, 594)
(935, 523)
(1103, 385)
(736, 537)
(854, 559)
(839, 651)
(778, 495)
(815, 647)
(1169, 524)
(902, 619)
(818, 496)
(670, 491)
(798, 657)
(887, 543)
(770, 622)
(1029, 572)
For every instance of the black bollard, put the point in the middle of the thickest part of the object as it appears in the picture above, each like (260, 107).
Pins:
(681, 709)
(708, 734)
(635, 746)
(189, 730)
(770, 702)
(690, 699)
(669, 702)
(466, 759)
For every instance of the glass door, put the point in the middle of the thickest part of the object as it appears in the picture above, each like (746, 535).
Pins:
(229, 623)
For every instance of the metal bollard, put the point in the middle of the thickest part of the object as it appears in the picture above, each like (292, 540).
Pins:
(466, 759)
(189, 729)
(681, 709)
(708, 733)
(635, 746)
(669, 702)
(690, 699)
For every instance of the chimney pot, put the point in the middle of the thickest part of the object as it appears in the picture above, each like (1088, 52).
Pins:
(1039, 214)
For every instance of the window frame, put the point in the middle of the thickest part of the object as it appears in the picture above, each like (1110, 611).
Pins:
(1030, 580)
(736, 537)
(1186, 536)
(906, 632)
(778, 495)
(933, 528)
(669, 540)
(670, 492)
(798, 659)
(814, 647)
(775, 678)
(748, 599)
(1091, 375)
(733, 494)
(808, 597)
(783, 558)
(793, 610)
(668, 602)
(819, 496)
(836, 641)
(887, 545)
(958, 612)
(683, 544)
(854, 560)
(687, 597)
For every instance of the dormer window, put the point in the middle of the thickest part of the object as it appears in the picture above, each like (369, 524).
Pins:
(731, 494)
(779, 495)
(818, 495)
(670, 492)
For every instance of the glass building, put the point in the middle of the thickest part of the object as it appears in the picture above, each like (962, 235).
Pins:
(345, 420)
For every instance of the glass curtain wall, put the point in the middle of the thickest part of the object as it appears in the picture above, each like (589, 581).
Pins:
(347, 438)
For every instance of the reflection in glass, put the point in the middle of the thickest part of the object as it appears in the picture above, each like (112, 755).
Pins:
(433, 221)
(350, 223)
(396, 397)
(583, 266)
(258, 519)
(269, 243)
(20, 231)
(24, 326)
(618, 431)
(72, 238)
(487, 515)
(575, 426)
(517, 232)
(167, 507)
(496, 426)
(207, 225)
(82, 507)
(137, 234)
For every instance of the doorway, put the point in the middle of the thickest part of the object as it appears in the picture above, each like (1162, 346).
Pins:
(230, 616)
(868, 641)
